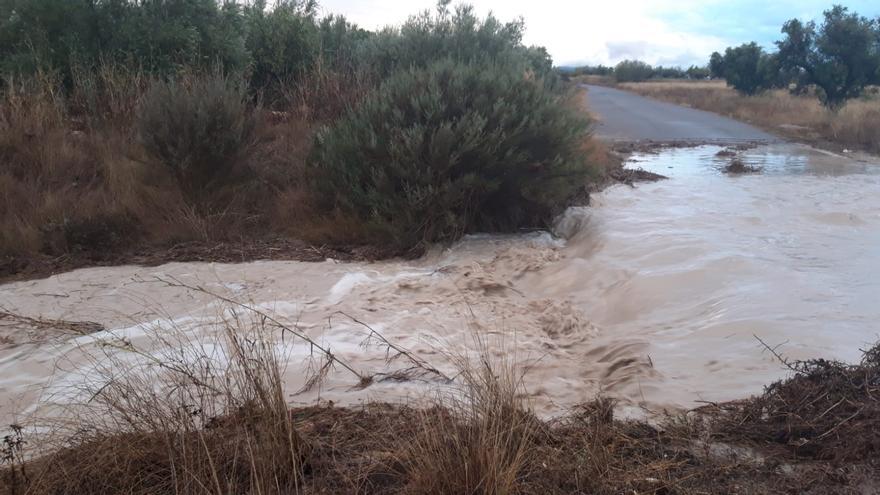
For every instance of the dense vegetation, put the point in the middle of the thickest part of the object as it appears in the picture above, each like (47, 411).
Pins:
(274, 45)
(159, 122)
(839, 58)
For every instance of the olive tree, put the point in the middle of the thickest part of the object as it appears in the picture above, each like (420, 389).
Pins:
(840, 57)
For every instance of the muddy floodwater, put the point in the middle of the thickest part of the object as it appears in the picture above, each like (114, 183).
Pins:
(656, 295)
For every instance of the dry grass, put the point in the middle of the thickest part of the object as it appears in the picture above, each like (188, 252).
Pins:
(184, 414)
(856, 126)
(206, 416)
(77, 185)
(161, 409)
(604, 161)
(478, 441)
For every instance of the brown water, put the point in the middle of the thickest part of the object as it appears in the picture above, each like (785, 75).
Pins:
(654, 295)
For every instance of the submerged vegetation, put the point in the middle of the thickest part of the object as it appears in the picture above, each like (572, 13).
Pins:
(131, 127)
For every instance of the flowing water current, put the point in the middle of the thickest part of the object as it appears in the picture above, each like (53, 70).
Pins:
(656, 295)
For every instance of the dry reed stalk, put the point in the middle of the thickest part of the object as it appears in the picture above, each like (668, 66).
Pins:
(478, 440)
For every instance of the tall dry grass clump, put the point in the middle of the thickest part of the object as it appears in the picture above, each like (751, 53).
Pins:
(201, 415)
(120, 162)
(478, 441)
(855, 126)
(858, 123)
(56, 193)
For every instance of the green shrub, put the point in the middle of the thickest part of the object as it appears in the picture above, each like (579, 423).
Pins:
(453, 148)
(197, 128)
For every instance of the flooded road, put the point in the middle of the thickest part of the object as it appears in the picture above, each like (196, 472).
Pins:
(696, 267)
(656, 295)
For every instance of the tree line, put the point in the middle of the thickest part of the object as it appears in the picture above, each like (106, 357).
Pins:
(271, 44)
(838, 58)
(638, 71)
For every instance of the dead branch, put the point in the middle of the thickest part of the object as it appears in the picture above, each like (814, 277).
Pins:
(782, 359)
(417, 362)
(293, 330)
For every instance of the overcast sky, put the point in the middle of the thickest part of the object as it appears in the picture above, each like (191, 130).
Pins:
(668, 32)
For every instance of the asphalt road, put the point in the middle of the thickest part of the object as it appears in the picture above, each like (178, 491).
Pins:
(625, 116)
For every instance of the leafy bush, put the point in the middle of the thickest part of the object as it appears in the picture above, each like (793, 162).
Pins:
(197, 128)
(453, 148)
(669, 72)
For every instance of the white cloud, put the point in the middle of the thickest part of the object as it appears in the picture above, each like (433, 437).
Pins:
(573, 32)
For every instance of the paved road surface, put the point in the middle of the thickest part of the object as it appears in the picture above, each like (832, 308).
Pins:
(625, 116)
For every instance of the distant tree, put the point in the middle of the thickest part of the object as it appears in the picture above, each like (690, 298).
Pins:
(633, 71)
(840, 57)
(593, 70)
(668, 72)
(745, 68)
(696, 72)
(716, 66)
